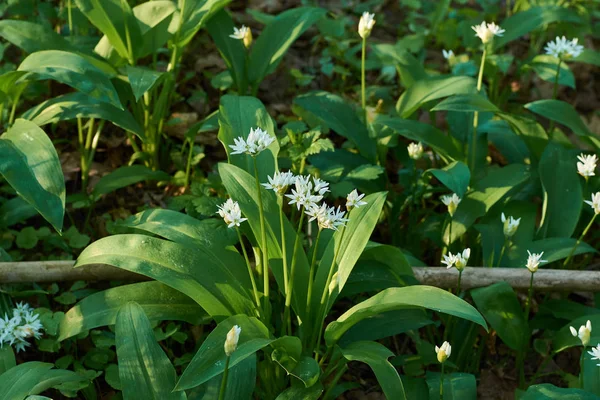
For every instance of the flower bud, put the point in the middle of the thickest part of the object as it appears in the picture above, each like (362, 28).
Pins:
(443, 352)
(232, 340)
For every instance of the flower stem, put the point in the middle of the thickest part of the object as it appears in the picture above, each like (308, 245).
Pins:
(581, 366)
(529, 295)
(224, 380)
(363, 90)
(283, 249)
(254, 288)
(263, 235)
(442, 383)
(587, 228)
(311, 274)
(502, 251)
(459, 281)
(476, 115)
(288, 297)
(554, 95)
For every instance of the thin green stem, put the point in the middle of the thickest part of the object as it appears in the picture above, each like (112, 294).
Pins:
(263, 236)
(442, 383)
(334, 381)
(224, 380)
(363, 89)
(250, 272)
(188, 166)
(529, 295)
(502, 251)
(311, 274)
(554, 95)
(459, 281)
(70, 16)
(283, 248)
(585, 231)
(13, 109)
(130, 57)
(288, 298)
(581, 366)
(476, 115)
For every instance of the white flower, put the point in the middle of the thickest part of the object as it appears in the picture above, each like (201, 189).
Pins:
(23, 325)
(449, 259)
(448, 54)
(365, 25)
(305, 194)
(231, 213)
(415, 150)
(321, 187)
(451, 201)
(280, 181)
(586, 166)
(595, 203)
(459, 260)
(510, 225)
(233, 336)
(244, 33)
(327, 217)
(534, 261)
(354, 200)
(595, 353)
(584, 333)
(257, 141)
(443, 352)
(486, 32)
(563, 48)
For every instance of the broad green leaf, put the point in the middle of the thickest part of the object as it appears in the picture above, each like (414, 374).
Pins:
(376, 356)
(195, 15)
(564, 339)
(73, 70)
(433, 88)
(115, 19)
(465, 103)
(32, 378)
(79, 105)
(141, 80)
(457, 386)
(32, 37)
(400, 298)
(30, 164)
(220, 26)
(301, 392)
(197, 271)
(11, 84)
(242, 188)
(145, 371)
(564, 114)
(589, 56)
(547, 391)
(485, 193)
(209, 361)
(445, 146)
(237, 115)
(591, 374)
(7, 359)
(545, 67)
(524, 22)
(410, 69)
(341, 117)
(274, 41)
(532, 133)
(499, 305)
(181, 228)
(241, 382)
(512, 147)
(125, 176)
(563, 196)
(159, 302)
(14, 211)
(455, 176)
(557, 248)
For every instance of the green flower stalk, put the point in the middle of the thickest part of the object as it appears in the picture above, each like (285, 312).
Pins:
(584, 333)
(443, 353)
(231, 342)
(458, 261)
(595, 204)
(365, 25)
(510, 226)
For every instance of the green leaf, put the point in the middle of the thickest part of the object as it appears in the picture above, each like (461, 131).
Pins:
(554, 249)
(195, 15)
(589, 56)
(32, 37)
(73, 70)
(142, 80)
(79, 105)
(564, 339)
(115, 19)
(125, 176)
(181, 228)
(209, 361)
(376, 356)
(302, 393)
(512, 147)
(145, 371)
(457, 386)
(410, 69)
(197, 271)
(232, 50)
(466, 103)
(564, 114)
(399, 298)
(563, 196)
(237, 115)
(159, 302)
(30, 164)
(241, 382)
(7, 359)
(545, 67)
(499, 305)
(433, 88)
(547, 391)
(524, 22)
(445, 146)
(276, 38)
(532, 133)
(485, 193)
(591, 374)
(455, 176)
(340, 117)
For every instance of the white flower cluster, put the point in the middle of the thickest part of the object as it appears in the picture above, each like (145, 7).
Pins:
(244, 34)
(595, 203)
(586, 166)
(257, 141)
(231, 213)
(22, 325)
(510, 225)
(366, 24)
(327, 217)
(584, 333)
(563, 48)
(280, 182)
(534, 261)
(451, 201)
(415, 150)
(595, 353)
(486, 32)
(307, 192)
(458, 260)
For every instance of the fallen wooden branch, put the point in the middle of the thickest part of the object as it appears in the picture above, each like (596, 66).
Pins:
(518, 278)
